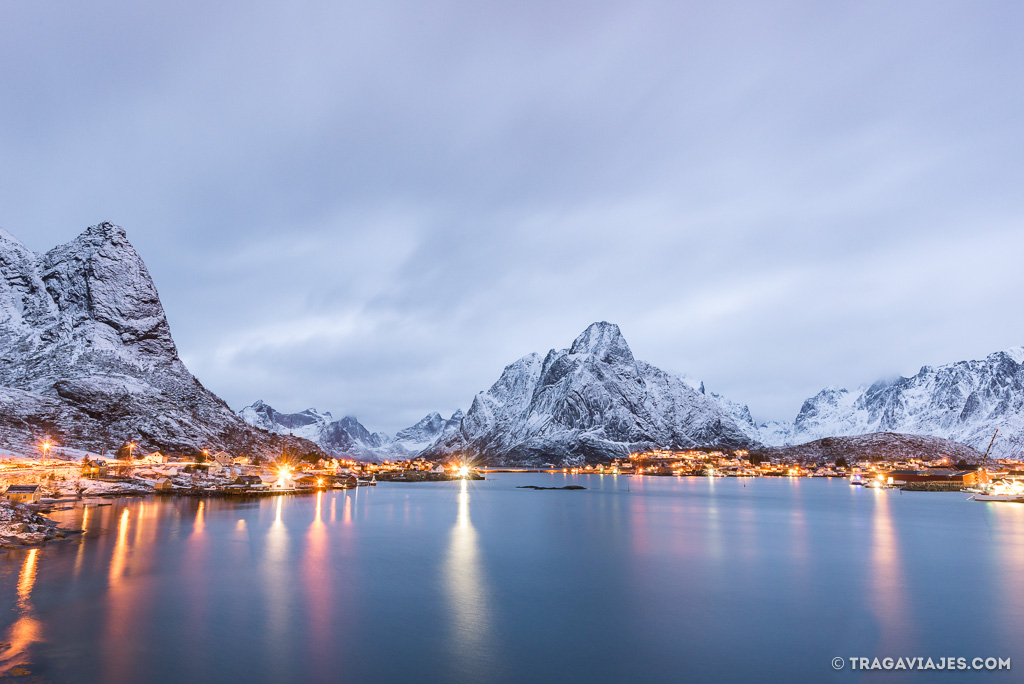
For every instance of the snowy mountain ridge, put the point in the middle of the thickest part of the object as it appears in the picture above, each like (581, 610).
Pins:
(590, 402)
(347, 437)
(87, 357)
(964, 401)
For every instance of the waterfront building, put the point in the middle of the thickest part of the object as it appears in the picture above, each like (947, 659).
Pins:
(23, 493)
(952, 478)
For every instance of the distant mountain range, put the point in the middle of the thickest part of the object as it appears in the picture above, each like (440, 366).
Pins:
(87, 357)
(347, 438)
(590, 402)
(594, 401)
(964, 401)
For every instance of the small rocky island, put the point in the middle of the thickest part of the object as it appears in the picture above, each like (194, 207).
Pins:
(549, 488)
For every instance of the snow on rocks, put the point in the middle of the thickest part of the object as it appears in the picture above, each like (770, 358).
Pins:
(20, 526)
(86, 353)
(590, 402)
(963, 401)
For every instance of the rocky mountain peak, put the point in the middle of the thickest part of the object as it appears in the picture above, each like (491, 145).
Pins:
(86, 354)
(605, 341)
(107, 230)
(963, 401)
(11, 240)
(592, 401)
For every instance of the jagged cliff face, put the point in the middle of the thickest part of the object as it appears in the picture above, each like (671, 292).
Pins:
(348, 438)
(964, 401)
(87, 356)
(587, 403)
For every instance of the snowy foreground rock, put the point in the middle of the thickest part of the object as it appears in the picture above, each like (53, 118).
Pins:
(964, 401)
(21, 526)
(87, 357)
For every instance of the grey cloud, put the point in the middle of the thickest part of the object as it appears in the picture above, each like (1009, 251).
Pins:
(372, 208)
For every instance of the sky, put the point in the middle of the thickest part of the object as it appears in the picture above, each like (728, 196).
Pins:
(372, 208)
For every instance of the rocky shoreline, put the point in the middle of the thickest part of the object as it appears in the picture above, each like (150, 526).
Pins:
(22, 526)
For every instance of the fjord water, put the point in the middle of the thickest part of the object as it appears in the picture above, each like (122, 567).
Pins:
(633, 579)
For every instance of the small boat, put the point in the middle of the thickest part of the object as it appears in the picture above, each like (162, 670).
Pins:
(1003, 490)
(1019, 498)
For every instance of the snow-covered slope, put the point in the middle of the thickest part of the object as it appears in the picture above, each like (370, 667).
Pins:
(347, 437)
(964, 401)
(86, 356)
(589, 402)
(877, 446)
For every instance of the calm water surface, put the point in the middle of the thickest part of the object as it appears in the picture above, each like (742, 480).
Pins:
(634, 579)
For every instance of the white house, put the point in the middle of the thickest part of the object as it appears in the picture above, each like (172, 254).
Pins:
(224, 458)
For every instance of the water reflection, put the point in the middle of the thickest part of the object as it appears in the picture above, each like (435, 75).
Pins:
(81, 544)
(197, 526)
(277, 583)
(1008, 555)
(888, 591)
(468, 596)
(798, 534)
(117, 561)
(316, 577)
(26, 630)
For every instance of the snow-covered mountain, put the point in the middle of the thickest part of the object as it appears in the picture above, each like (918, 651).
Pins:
(964, 401)
(589, 402)
(416, 438)
(347, 437)
(86, 356)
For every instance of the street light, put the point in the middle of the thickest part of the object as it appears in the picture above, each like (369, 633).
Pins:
(131, 449)
(46, 445)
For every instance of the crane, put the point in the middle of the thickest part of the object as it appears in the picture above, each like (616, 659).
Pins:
(984, 461)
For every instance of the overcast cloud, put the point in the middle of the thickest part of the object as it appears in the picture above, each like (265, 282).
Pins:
(372, 208)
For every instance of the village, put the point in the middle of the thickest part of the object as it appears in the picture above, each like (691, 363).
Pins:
(66, 476)
(939, 474)
(63, 476)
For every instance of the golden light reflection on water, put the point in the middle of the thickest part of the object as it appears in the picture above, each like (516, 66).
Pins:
(81, 543)
(117, 560)
(200, 523)
(1008, 548)
(128, 597)
(26, 630)
(467, 594)
(277, 588)
(888, 588)
(317, 581)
